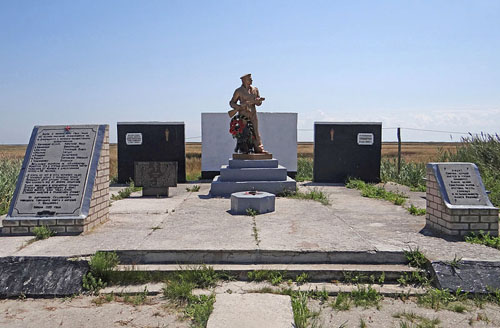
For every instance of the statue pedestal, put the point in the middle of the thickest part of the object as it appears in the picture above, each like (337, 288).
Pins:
(253, 156)
(252, 175)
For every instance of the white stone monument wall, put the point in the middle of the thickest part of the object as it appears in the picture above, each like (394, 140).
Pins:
(278, 132)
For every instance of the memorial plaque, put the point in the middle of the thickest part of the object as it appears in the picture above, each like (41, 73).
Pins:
(58, 172)
(133, 139)
(365, 139)
(150, 142)
(462, 184)
(155, 177)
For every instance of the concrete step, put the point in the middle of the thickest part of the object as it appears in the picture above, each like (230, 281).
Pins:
(253, 173)
(315, 272)
(258, 256)
(221, 188)
(240, 163)
(241, 287)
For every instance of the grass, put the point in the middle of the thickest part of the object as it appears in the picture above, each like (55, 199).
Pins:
(420, 321)
(194, 188)
(413, 210)
(272, 276)
(304, 169)
(101, 266)
(483, 239)
(126, 192)
(411, 174)
(416, 258)
(438, 299)
(42, 232)
(484, 151)
(372, 191)
(314, 194)
(179, 289)
(361, 296)
(302, 316)
(9, 170)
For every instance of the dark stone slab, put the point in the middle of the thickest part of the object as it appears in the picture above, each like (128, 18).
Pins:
(460, 184)
(150, 142)
(343, 150)
(41, 276)
(470, 276)
(58, 172)
(155, 177)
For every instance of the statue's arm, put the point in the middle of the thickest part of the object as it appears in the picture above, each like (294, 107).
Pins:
(258, 99)
(233, 102)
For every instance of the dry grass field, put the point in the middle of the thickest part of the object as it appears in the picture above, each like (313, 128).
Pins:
(411, 152)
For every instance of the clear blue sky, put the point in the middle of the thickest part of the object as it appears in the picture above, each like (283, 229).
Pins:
(417, 64)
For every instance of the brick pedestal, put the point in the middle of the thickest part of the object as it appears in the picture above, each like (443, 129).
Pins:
(456, 220)
(98, 211)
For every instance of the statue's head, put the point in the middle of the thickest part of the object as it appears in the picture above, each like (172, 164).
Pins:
(247, 79)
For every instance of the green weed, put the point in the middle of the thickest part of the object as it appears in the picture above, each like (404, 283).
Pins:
(415, 258)
(420, 321)
(372, 191)
(483, 239)
(199, 309)
(252, 212)
(413, 210)
(302, 278)
(366, 297)
(437, 299)
(417, 278)
(301, 313)
(314, 194)
(342, 302)
(101, 267)
(42, 232)
(126, 192)
(194, 188)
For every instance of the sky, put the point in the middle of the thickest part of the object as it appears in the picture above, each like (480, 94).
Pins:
(425, 65)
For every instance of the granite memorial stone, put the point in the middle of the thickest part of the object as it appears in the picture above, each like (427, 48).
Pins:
(62, 169)
(343, 150)
(155, 177)
(150, 142)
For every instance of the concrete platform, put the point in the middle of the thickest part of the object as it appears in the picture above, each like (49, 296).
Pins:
(191, 225)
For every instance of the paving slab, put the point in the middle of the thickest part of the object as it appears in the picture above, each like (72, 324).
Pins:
(390, 227)
(195, 222)
(251, 311)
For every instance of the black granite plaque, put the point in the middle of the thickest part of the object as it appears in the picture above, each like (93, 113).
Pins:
(343, 150)
(150, 142)
(462, 184)
(41, 276)
(470, 276)
(57, 175)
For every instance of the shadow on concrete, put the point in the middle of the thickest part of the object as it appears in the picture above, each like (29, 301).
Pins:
(323, 184)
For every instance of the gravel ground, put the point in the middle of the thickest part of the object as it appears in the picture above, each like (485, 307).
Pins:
(82, 311)
(391, 313)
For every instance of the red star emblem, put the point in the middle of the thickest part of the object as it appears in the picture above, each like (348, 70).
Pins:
(67, 128)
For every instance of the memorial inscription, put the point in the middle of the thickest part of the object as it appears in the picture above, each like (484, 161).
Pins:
(56, 172)
(462, 184)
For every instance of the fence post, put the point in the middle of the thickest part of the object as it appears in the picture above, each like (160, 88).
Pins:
(399, 151)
